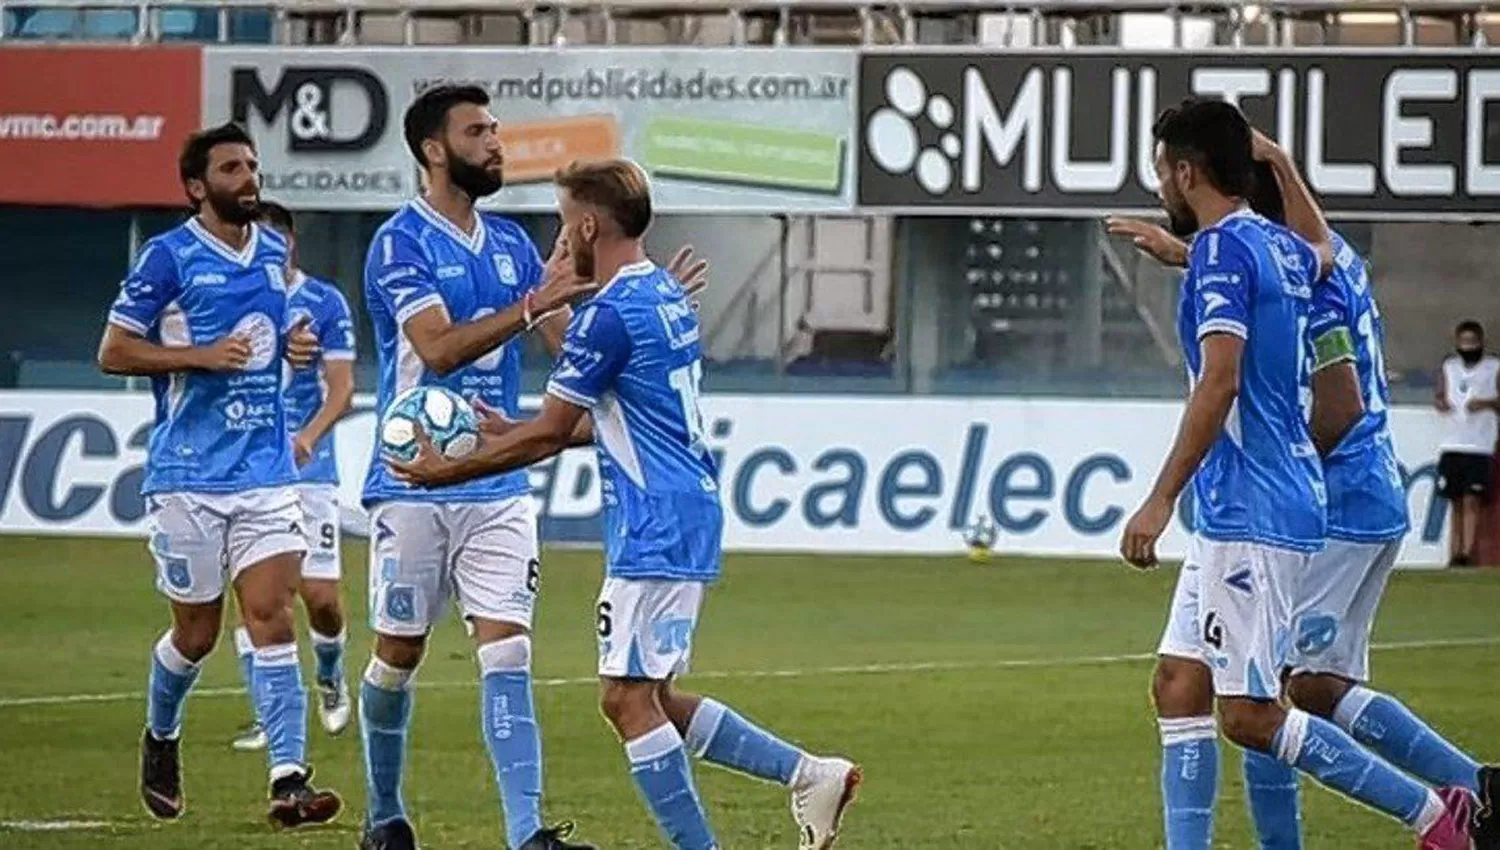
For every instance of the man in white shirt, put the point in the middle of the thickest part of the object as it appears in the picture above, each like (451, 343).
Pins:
(1468, 397)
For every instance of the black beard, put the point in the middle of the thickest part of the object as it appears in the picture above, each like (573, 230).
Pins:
(473, 180)
(1182, 225)
(231, 210)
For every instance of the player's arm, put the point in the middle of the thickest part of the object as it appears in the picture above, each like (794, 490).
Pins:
(534, 440)
(1476, 405)
(336, 341)
(1150, 238)
(1337, 401)
(1303, 214)
(144, 294)
(1440, 393)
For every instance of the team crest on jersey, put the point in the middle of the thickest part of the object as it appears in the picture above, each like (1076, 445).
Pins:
(505, 267)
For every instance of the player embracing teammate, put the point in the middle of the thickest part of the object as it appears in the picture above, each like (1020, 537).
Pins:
(1300, 510)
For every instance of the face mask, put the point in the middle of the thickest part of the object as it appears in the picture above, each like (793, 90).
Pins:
(1471, 355)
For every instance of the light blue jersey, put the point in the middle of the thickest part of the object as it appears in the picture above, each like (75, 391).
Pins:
(631, 356)
(330, 322)
(215, 432)
(1261, 481)
(1366, 502)
(419, 259)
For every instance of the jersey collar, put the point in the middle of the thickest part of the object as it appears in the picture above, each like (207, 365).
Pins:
(242, 257)
(633, 270)
(473, 241)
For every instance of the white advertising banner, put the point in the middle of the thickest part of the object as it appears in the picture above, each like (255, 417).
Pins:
(830, 474)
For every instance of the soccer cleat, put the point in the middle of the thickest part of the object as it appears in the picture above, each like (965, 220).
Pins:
(552, 838)
(1486, 823)
(251, 739)
(161, 777)
(821, 790)
(334, 706)
(1451, 832)
(391, 835)
(295, 803)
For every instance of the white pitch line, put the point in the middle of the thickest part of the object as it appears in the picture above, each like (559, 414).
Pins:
(53, 825)
(847, 670)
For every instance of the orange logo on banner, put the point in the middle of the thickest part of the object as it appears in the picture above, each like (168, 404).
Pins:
(536, 149)
(96, 126)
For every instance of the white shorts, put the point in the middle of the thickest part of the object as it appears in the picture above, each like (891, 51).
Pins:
(198, 538)
(1335, 610)
(320, 508)
(482, 555)
(646, 627)
(1232, 610)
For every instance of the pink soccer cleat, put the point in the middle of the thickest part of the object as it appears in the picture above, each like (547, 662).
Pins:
(1451, 832)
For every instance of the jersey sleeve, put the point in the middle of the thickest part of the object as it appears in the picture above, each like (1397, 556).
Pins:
(399, 275)
(594, 351)
(1329, 327)
(336, 329)
(151, 285)
(1222, 270)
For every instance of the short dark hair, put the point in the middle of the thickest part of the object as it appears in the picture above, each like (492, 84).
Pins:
(193, 163)
(277, 216)
(1213, 135)
(618, 186)
(428, 114)
(1469, 326)
(1265, 194)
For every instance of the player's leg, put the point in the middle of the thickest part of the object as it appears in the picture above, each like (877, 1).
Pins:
(1182, 691)
(187, 544)
(645, 637)
(266, 544)
(408, 588)
(253, 737)
(1249, 589)
(321, 573)
(1473, 507)
(497, 575)
(1331, 663)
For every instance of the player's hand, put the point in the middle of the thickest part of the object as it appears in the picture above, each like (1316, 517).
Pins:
(1262, 147)
(491, 421)
(302, 448)
(1477, 405)
(1152, 239)
(1138, 546)
(301, 344)
(561, 284)
(1442, 405)
(428, 469)
(689, 271)
(229, 354)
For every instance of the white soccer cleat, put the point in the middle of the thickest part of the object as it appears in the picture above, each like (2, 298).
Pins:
(334, 707)
(822, 789)
(252, 739)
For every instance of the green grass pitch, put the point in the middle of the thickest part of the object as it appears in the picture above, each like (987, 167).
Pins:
(994, 706)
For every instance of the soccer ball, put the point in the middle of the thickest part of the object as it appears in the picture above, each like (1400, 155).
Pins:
(443, 415)
(980, 538)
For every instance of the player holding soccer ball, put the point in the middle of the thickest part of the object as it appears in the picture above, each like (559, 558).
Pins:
(205, 314)
(631, 361)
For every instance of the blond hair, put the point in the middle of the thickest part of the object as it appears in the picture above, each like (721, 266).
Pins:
(617, 186)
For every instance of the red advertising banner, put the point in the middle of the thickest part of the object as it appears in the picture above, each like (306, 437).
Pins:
(96, 126)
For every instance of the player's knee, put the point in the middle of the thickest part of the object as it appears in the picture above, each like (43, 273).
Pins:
(627, 704)
(403, 653)
(1251, 724)
(507, 655)
(321, 599)
(1316, 694)
(195, 641)
(1181, 688)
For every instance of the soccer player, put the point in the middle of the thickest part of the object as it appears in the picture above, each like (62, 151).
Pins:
(1367, 520)
(449, 289)
(205, 314)
(631, 361)
(1260, 506)
(317, 397)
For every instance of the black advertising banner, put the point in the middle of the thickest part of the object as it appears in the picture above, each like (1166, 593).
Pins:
(1378, 135)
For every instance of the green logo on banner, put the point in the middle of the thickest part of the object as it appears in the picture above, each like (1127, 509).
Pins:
(751, 154)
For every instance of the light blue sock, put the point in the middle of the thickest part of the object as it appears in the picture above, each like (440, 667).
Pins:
(281, 701)
(172, 676)
(1189, 780)
(718, 735)
(384, 715)
(329, 650)
(244, 651)
(1275, 805)
(659, 766)
(1389, 728)
(508, 722)
(1326, 753)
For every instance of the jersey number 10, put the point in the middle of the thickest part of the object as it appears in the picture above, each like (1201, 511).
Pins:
(686, 380)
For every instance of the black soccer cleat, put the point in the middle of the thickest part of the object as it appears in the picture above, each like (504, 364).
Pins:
(392, 835)
(1485, 827)
(295, 803)
(161, 777)
(552, 838)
